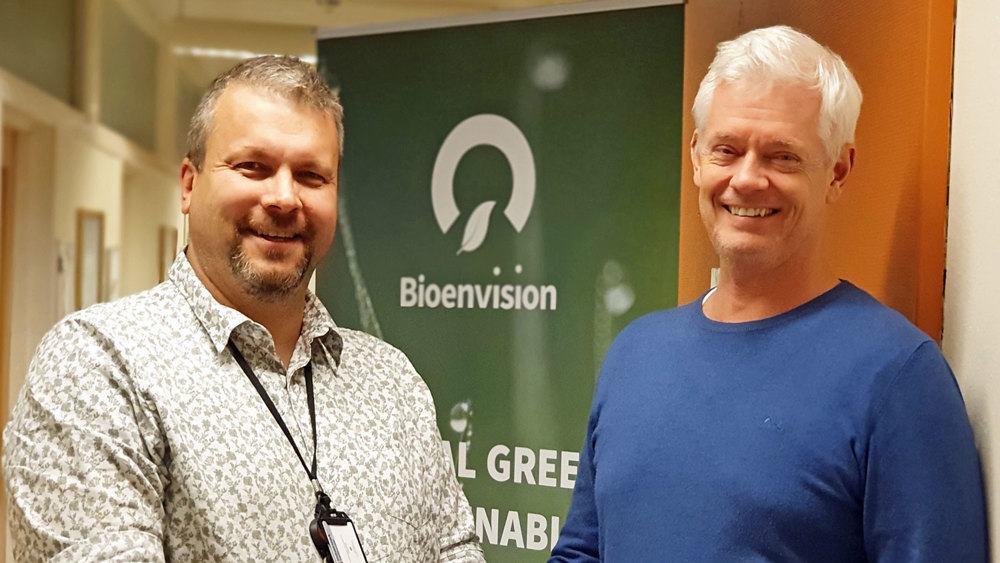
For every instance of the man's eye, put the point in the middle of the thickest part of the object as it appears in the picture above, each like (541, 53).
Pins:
(723, 153)
(787, 162)
(311, 179)
(251, 167)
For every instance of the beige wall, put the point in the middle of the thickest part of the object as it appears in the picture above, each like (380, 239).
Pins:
(135, 201)
(972, 299)
(88, 178)
(149, 203)
(83, 167)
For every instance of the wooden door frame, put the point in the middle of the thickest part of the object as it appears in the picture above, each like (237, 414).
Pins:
(8, 144)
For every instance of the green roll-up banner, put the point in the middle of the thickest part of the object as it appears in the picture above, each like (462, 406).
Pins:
(509, 201)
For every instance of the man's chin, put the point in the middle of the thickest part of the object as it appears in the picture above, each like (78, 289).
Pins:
(744, 251)
(269, 281)
(273, 287)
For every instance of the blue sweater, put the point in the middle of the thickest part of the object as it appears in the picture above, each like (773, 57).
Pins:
(833, 432)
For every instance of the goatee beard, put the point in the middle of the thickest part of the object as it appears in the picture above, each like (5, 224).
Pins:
(268, 287)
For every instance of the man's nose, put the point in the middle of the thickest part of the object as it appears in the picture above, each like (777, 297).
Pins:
(282, 192)
(749, 173)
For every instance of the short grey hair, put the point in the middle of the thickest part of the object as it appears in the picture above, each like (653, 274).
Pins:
(288, 77)
(781, 53)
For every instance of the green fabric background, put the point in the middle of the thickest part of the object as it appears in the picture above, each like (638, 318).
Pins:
(607, 146)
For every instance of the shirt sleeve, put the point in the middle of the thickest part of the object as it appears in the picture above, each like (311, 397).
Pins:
(452, 515)
(79, 458)
(923, 499)
(579, 537)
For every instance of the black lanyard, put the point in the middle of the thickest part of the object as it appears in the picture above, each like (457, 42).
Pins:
(323, 512)
(310, 399)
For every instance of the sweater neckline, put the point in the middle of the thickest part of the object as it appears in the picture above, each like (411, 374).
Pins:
(780, 319)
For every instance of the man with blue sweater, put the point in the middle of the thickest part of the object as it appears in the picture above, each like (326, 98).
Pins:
(786, 416)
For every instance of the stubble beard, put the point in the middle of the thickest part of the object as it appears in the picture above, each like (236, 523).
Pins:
(268, 287)
(741, 253)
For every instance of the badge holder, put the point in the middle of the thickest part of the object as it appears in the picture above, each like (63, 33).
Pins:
(334, 535)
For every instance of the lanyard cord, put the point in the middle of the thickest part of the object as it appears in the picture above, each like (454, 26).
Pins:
(323, 512)
(274, 411)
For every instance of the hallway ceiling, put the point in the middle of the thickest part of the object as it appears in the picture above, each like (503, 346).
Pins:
(341, 13)
(208, 36)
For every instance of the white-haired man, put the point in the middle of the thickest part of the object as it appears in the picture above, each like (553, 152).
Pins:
(786, 415)
(223, 416)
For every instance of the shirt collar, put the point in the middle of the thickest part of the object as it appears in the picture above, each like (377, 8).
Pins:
(317, 323)
(219, 321)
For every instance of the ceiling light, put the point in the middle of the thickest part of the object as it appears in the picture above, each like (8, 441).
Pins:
(209, 52)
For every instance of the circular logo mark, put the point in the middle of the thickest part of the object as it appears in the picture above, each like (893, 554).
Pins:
(495, 131)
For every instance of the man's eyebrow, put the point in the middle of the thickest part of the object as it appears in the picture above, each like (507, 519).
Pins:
(783, 144)
(729, 138)
(260, 153)
(725, 138)
(247, 152)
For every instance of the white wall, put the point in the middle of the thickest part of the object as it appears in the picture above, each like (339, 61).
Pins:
(972, 290)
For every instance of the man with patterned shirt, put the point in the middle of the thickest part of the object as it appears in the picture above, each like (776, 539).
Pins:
(139, 434)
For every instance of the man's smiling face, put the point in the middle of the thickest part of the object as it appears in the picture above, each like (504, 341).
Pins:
(263, 208)
(763, 174)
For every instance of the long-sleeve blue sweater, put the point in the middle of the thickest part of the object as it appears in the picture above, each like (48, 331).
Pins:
(833, 432)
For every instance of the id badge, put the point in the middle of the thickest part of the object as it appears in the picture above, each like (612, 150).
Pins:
(339, 541)
(345, 546)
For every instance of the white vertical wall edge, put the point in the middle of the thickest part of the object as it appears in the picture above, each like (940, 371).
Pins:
(972, 299)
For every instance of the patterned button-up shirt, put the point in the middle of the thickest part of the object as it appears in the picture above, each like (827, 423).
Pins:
(137, 437)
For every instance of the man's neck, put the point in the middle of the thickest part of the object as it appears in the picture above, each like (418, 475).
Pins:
(746, 293)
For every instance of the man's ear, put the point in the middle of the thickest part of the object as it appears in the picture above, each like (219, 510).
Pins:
(188, 174)
(841, 170)
(695, 161)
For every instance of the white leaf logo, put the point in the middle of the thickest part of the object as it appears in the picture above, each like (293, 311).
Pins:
(475, 229)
